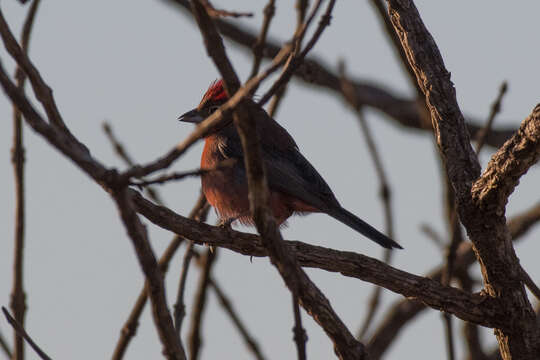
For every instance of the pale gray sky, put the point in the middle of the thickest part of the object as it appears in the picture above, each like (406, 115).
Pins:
(140, 64)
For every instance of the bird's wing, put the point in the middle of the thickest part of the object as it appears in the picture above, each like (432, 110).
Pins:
(292, 174)
(287, 170)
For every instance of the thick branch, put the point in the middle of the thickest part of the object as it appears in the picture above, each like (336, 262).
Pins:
(475, 308)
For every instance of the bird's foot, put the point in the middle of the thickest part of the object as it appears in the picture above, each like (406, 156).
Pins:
(226, 223)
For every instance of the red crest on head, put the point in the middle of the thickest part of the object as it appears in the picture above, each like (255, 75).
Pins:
(216, 91)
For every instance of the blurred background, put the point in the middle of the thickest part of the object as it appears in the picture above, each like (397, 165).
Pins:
(140, 64)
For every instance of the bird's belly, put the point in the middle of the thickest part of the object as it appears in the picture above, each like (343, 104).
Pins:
(227, 192)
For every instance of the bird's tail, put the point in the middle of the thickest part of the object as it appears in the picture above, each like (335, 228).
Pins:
(363, 228)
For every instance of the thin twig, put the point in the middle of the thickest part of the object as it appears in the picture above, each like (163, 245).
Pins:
(227, 306)
(530, 283)
(180, 305)
(199, 304)
(495, 109)
(42, 91)
(300, 336)
(384, 190)
(18, 295)
(20, 330)
(5, 347)
(432, 234)
(450, 343)
(258, 47)
(382, 11)
(276, 101)
(470, 331)
(123, 154)
(316, 304)
(172, 346)
(227, 163)
(403, 111)
(297, 59)
(215, 13)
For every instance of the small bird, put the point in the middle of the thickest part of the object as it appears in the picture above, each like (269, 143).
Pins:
(294, 184)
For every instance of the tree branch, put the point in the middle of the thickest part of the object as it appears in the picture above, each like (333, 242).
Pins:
(199, 304)
(198, 213)
(172, 347)
(22, 333)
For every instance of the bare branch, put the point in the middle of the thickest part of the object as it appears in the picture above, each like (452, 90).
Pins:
(382, 11)
(18, 295)
(258, 47)
(42, 91)
(180, 305)
(432, 234)
(495, 109)
(226, 304)
(296, 61)
(521, 223)
(215, 13)
(530, 284)
(5, 347)
(199, 304)
(216, 119)
(384, 190)
(20, 330)
(122, 153)
(300, 336)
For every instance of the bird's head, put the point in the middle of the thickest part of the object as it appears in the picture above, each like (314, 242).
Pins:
(213, 98)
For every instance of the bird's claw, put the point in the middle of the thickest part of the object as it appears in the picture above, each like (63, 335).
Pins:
(226, 223)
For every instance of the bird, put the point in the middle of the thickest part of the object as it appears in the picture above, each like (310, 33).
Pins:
(294, 185)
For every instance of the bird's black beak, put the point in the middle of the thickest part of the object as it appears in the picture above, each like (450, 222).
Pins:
(192, 116)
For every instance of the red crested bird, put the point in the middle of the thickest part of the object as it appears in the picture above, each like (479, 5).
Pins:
(294, 184)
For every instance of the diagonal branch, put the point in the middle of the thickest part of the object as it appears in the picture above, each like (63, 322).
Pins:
(172, 347)
(199, 305)
(20, 330)
(227, 305)
(402, 312)
(403, 111)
